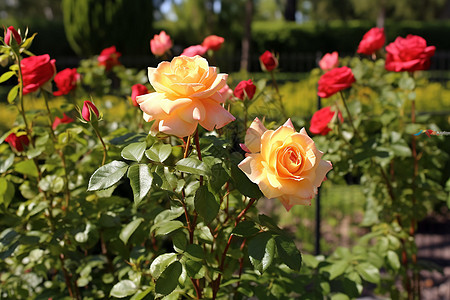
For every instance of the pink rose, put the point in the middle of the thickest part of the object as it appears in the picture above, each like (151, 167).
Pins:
(329, 61)
(36, 71)
(89, 108)
(372, 41)
(245, 89)
(160, 44)
(18, 142)
(186, 94)
(11, 31)
(334, 81)
(268, 61)
(321, 119)
(194, 50)
(285, 164)
(66, 81)
(138, 90)
(226, 92)
(408, 54)
(213, 42)
(64, 120)
(109, 58)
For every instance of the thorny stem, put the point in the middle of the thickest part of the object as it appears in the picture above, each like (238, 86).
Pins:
(216, 283)
(105, 151)
(275, 84)
(356, 132)
(22, 108)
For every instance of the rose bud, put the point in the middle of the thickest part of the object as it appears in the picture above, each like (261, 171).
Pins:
(245, 89)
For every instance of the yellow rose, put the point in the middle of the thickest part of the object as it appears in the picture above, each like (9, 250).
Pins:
(285, 164)
(186, 94)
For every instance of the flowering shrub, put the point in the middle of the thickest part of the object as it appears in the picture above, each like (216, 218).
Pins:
(166, 208)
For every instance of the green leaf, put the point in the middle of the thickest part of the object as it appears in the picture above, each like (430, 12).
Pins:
(26, 167)
(141, 295)
(194, 166)
(245, 229)
(107, 175)
(338, 268)
(393, 260)
(194, 252)
(160, 264)
(7, 75)
(243, 184)
(407, 83)
(205, 204)
(13, 94)
(340, 296)
(6, 192)
(128, 230)
(141, 180)
(123, 289)
(134, 151)
(8, 162)
(261, 251)
(168, 280)
(159, 152)
(51, 183)
(401, 150)
(368, 272)
(194, 269)
(168, 215)
(164, 228)
(288, 253)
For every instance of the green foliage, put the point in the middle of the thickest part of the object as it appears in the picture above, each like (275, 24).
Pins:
(91, 26)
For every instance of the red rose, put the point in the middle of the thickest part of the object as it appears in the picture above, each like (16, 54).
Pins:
(334, 81)
(408, 54)
(372, 41)
(329, 61)
(137, 90)
(17, 142)
(268, 61)
(321, 119)
(194, 50)
(64, 120)
(109, 58)
(15, 34)
(88, 109)
(66, 80)
(213, 42)
(245, 88)
(36, 71)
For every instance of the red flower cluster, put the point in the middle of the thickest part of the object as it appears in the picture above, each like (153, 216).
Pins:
(268, 61)
(11, 31)
(408, 54)
(245, 88)
(66, 81)
(36, 71)
(213, 42)
(321, 119)
(137, 90)
(17, 142)
(64, 120)
(334, 81)
(372, 41)
(109, 58)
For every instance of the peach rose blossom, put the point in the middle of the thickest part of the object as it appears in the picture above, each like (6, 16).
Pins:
(187, 94)
(285, 164)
